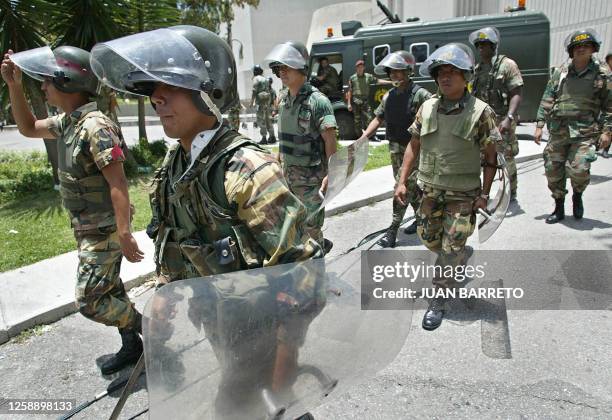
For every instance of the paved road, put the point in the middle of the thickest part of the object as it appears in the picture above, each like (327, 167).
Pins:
(560, 365)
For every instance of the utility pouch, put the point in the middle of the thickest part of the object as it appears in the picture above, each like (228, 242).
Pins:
(226, 250)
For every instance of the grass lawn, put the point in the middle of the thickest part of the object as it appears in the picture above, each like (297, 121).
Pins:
(37, 227)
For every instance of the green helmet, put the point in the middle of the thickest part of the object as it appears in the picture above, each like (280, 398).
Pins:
(585, 36)
(184, 56)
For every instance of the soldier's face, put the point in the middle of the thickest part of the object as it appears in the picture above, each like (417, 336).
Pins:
(290, 76)
(51, 92)
(451, 81)
(360, 69)
(178, 114)
(583, 51)
(397, 75)
(485, 49)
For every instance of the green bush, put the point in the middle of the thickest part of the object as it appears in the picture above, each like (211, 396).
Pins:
(145, 157)
(23, 173)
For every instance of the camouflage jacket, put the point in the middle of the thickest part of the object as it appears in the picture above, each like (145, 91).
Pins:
(493, 82)
(360, 86)
(233, 198)
(261, 85)
(578, 113)
(87, 142)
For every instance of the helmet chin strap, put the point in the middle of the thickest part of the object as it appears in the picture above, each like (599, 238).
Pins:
(211, 106)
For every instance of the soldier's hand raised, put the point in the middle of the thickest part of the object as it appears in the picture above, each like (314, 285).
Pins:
(10, 72)
(537, 137)
(400, 194)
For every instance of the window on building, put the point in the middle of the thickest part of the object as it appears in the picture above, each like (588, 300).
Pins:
(420, 51)
(379, 52)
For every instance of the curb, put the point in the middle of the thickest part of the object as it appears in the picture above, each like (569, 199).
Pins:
(54, 314)
(68, 308)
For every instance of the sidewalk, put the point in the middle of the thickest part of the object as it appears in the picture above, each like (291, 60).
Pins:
(44, 292)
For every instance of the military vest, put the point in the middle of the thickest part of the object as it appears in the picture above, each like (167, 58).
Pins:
(577, 97)
(360, 86)
(400, 113)
(299, 145)
(490, 88)
(449, 155)
(262, 88)
(86, 195)
(195, 222)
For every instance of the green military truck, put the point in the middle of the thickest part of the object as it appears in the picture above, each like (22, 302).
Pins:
(525, 37)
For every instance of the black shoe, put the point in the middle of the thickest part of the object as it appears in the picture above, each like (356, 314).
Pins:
(272, 140)
(130, 352)
(388, 240)
(327, 246)
(513, 197)
(263, 141)
(577, 206)
(605, 154)
(558, 213)
(434, 314)
(411, 230)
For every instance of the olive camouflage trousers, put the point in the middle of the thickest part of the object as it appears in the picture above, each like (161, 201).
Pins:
(413, 195)
(568, 158)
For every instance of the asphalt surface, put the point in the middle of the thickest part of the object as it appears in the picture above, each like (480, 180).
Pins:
(549, 364)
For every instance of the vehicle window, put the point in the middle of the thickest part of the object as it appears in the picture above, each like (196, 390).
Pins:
(420, 51)
(379, 52)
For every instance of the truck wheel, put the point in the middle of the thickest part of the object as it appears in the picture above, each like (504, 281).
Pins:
(346, 125)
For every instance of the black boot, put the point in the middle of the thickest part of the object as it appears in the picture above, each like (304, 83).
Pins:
(577, 206)
(263, 140)
(434, 314)
(272, 140)
(131, 350)
(388, 240)
(411, 230)
(327, 246)
(558, 213)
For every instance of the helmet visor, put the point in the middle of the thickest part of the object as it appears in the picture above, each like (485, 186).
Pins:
(159, 56)
(287, 55)
(37, 63)
(584, 36)
(393, 61)
(454, 54)
(488, 34)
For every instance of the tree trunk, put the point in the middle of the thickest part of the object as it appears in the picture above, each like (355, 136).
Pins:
(40, 112)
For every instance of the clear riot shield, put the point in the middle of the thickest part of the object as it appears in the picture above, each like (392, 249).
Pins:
(343, 168)
(489, 221)
(269, 343)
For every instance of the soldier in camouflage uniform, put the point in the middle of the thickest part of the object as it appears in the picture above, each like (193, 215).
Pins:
(577, 107)
(92, 184)
(219, 201)
(328, 77)
(398, 108)
(307, 132)
(449, 134)
(233, 117)
(262, 100)
(358, 97)
(498, 82)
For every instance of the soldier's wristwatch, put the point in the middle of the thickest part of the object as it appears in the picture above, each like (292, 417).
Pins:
(510, 117)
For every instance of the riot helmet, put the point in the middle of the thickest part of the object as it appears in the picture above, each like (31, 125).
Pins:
(584, 36)
(184, 56)
(398, 60)
(257, 70)
(291, 54)
(455, 54)
(488, 34)
(66, 67)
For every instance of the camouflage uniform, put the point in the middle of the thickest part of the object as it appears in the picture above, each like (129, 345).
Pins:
(231, 210)
(577, 108)
(329, 84)
(492, 84)
(262, 97)
(233, 117)
(397, 148)
(87, 142)
(360, 100)
(301, 120)
(445, 218)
